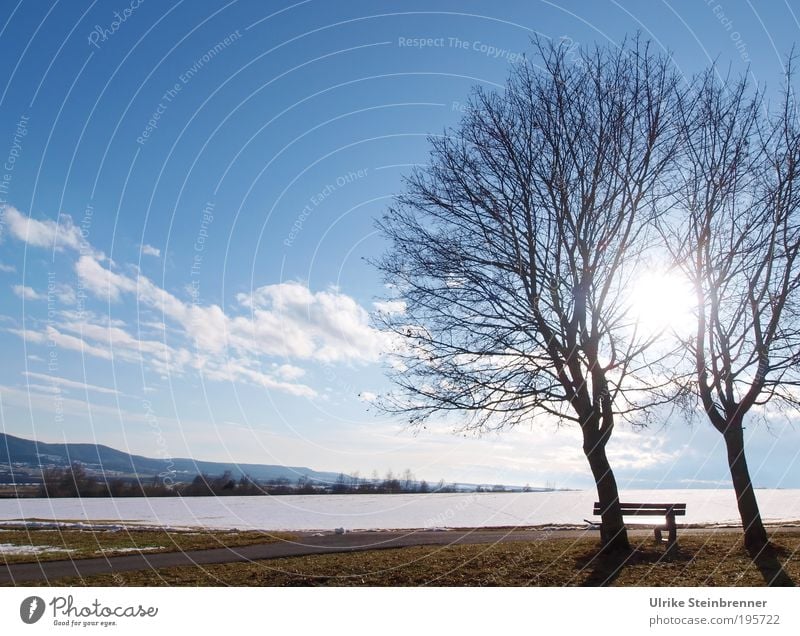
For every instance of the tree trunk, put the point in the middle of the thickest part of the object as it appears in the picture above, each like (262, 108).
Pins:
(613, 534)
(755, 536)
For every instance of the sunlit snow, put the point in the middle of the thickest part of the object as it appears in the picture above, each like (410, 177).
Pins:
(327, 512)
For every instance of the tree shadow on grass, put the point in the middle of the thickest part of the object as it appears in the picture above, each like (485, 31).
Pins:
(768, 563)
(605, 568)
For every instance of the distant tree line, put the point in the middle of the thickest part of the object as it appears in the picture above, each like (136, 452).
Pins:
(76, 481)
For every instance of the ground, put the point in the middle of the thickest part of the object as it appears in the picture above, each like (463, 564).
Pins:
(703, 558)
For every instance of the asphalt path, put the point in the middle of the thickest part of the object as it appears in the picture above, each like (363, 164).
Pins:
(303, 544)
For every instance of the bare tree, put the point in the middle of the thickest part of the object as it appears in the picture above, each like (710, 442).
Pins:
(737, 239)
(513, 249)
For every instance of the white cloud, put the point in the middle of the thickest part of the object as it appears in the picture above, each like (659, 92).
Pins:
(284, 320)
(149, 250)
(57, 235)
(8, 269)
(43, 388)
(65, 294)
(100, 280)
(153, 324)
(67, 341)
(55, 338)
(29, 335)
(233, 370)
(290, 372)
(289, 319)
(636, 450)
(208, 326)
(367, 396)
(27, 293)
(65, 405)
(72, 384)
(390, 306)
(112, 342)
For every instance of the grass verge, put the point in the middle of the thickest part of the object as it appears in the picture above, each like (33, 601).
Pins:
(68, 543)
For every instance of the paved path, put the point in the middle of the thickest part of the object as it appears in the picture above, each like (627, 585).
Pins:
(304, 544)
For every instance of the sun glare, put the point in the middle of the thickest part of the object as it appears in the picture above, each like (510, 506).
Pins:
(662, 301)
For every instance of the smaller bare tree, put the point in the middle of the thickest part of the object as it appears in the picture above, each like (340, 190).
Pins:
(737, 239)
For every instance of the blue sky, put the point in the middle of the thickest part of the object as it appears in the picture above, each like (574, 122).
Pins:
(191, 190)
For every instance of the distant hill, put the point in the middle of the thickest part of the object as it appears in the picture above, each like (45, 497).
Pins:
(19, 456)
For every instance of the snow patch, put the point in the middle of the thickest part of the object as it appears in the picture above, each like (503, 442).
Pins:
(10, 548)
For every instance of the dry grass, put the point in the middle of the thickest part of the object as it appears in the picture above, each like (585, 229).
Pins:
(709, 560)
(95, 543)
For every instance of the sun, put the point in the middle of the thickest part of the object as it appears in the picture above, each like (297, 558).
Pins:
(662, 302)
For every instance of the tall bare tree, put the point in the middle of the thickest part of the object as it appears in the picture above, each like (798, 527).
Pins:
(512, 251)
(737, 239)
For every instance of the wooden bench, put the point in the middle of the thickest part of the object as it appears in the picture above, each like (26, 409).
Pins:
(667, 510)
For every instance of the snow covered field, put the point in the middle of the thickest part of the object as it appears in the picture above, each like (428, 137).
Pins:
(326, 512)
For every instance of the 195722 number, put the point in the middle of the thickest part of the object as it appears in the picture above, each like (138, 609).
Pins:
(760, 619)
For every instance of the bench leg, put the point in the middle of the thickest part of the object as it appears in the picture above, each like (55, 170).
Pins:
(673, 530)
